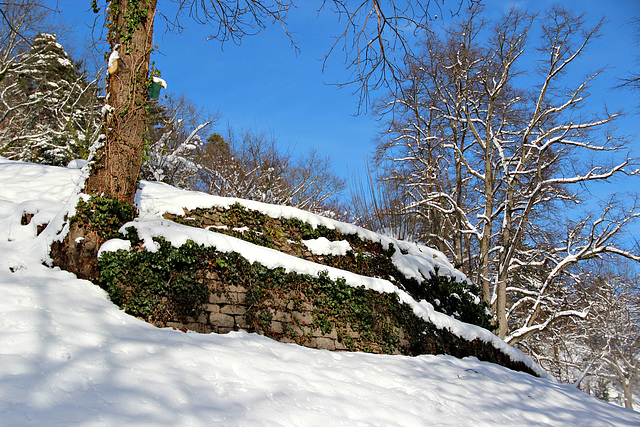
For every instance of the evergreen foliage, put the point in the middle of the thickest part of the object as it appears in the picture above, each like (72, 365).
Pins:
(50, 110)
(457, 299)
(104, 215)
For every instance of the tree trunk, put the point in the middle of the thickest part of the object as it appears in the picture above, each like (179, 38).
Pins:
(115, 173)
(627, 387)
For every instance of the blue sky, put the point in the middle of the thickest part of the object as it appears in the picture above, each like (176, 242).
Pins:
(264, 85)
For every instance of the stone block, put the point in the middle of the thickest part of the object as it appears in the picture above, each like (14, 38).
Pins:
(325, 344)
(332, 335)
(241, 321)
(214, 298)
(282, 316)
(233, 309)
(176, 325)
(306, 306)
(375, 348)
(212, 276)
(341, 346)
(199, 327)
(212, 308)
(302, 317)
(302, 330)
(221, 320)
(236, 288)
(351, 333)
(239, 297)
(276, 327)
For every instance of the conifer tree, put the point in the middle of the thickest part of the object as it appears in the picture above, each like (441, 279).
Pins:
(50, 110)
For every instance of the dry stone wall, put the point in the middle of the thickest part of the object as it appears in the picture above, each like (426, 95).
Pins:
(289, 321)
(196, 288)
(308, 316)
(290, 317)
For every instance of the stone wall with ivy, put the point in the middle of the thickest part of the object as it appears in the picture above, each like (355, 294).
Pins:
(197, 288)
(366, 258)
(201, 289)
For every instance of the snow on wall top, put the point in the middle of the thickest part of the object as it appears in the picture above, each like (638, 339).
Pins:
(323, 246)
(415, 261)
(418, 262)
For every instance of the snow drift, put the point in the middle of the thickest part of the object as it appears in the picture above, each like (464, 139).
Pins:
(70, 357)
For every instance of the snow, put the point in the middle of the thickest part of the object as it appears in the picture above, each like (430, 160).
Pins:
(64, 62)
(77, 164)
(113, 57)
(161, 82)
(323, 246)
(68, 356)
(106, 108)
(114, 245)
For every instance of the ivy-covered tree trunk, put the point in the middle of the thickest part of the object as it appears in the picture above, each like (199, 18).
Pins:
(130, 34)
(115, 172)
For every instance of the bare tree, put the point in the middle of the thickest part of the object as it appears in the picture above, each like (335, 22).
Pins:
(379, 204)
(247, 165)
(177, 129)
(20, 20)
(614, 333)
(602, 351)
(632, 81)
(314, 186)
(490, 163)
(377, 33)
(251, 166)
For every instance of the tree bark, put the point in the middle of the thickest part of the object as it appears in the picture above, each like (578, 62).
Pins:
(115, 173)
(627, 387)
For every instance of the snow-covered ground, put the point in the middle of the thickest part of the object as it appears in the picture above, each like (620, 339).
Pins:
(70, 357)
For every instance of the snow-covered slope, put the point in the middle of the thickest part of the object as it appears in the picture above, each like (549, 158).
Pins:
(70, 357)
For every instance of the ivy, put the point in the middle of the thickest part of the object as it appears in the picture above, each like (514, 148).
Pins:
(105, 215)
(168, 285)
(174, 285)
(155, 286)
(457, 299)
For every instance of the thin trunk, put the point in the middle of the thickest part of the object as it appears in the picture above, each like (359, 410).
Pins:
(487, 228)
(503, 268)
(458, 245)
(627, 387)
